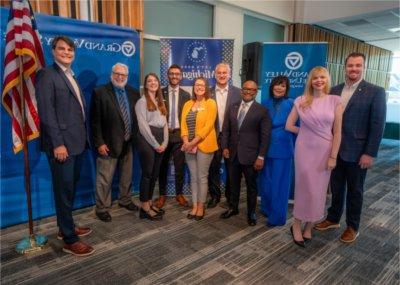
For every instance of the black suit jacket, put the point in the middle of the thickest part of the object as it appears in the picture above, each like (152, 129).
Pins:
(62, 120)
(106, 118)
(232, 98)
(363, 121)
(183, 97)
(252, 139)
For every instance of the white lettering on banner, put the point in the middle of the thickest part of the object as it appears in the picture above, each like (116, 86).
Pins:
(127, 48)
(192, 74)
(296, 78)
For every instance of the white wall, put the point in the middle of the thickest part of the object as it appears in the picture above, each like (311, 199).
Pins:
(228, 24)
(311, 11)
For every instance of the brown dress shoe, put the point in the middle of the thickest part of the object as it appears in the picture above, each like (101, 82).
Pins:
(78, 248)
(80, 232)
(326, 225)
(181, 200)
(160, 201)
(349, 235)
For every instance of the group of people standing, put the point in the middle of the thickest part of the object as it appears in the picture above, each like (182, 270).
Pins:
(223, 122)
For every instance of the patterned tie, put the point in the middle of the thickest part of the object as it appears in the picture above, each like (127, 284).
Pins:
(124, 110)
(242, 114)
(173, 111)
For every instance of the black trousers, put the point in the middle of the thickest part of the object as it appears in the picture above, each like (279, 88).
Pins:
(250, 175)
(65, 176)
(150, 162)
(174, 149)
(214, 175)
(351, 175)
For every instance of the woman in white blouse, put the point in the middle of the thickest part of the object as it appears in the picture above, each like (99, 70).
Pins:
(151, 143)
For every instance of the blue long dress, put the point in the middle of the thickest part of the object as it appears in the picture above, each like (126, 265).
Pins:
(276, 176)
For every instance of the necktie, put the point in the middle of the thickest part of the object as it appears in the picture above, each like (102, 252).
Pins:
(124, 110)
(242, 113)
(173, 111)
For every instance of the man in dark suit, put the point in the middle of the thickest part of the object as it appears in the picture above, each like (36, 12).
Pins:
(61, 106)
(245, 140)
(225, 95)
(362, 129)
(114, 128)
(175, 97)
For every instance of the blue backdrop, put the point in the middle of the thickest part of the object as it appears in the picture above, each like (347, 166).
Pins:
(98, 48)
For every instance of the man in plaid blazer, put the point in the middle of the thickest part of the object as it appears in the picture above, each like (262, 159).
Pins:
(362, 129)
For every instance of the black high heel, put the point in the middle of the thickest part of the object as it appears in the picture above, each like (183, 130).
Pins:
(157, 210)
(306, 240)
(298, 242)
(146, 215)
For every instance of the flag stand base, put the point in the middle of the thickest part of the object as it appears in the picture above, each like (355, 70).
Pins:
(31, 244)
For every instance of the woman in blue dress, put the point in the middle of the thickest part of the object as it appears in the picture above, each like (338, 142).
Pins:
(276, 176)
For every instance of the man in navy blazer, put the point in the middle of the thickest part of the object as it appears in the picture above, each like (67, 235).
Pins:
(61, 107)
(225, 95)
(362, 129)
(245, 139)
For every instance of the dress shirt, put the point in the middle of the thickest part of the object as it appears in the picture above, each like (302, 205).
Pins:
(221, 96)
(70, 75)
(177, 126)
(347, 92)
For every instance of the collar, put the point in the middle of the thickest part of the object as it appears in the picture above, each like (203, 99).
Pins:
(247, 103)
(354, 85)
(64, 68)
(170, 88)
(217, 89)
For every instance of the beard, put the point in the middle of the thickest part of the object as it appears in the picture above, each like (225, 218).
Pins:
(119, 84)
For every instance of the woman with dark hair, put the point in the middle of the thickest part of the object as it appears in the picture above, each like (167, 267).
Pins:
(277, 172)
(199, 142)
(151, 142)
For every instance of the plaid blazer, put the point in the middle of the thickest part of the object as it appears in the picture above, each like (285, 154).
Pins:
(363, 121)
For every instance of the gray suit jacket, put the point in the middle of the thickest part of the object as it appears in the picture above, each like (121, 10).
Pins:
(233, 97)
(363, 121)
(253, 137)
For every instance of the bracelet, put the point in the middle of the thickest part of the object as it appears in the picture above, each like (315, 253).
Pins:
(332, 157)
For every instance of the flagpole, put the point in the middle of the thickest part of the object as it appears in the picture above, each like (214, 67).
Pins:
(32, 243)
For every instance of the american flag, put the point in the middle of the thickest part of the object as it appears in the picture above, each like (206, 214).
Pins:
(23, 52)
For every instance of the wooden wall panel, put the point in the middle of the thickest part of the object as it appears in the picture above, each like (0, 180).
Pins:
(378, 65)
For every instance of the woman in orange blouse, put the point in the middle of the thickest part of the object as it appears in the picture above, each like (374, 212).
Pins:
(199, 142)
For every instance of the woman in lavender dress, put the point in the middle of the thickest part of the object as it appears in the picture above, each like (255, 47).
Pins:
(316, 149)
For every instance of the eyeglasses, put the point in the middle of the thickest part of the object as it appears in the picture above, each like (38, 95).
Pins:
(176, 74)
(200, 85)
(249, 90)
(120, 74)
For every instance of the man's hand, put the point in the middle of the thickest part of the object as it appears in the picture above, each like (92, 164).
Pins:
(103, 149)
(60, 153)
(160, 149)
(258, 164)
(366, 161)
(225, 153)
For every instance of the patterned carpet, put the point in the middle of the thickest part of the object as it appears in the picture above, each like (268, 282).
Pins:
(214, 251)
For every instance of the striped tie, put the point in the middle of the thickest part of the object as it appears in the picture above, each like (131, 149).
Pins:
(242, 114)
(124, 110)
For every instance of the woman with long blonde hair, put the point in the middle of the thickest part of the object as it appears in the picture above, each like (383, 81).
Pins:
(316, 150)
(151, 142)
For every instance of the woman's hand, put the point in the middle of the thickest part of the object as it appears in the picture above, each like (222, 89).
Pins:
(331, 163)
(160, 149)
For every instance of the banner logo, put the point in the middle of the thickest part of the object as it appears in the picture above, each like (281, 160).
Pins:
(128, 48)
(196, 52)
(294, 60)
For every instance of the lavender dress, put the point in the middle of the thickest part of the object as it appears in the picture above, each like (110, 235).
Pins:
(312, 150)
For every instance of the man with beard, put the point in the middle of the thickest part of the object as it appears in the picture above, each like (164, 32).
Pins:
(114, 127)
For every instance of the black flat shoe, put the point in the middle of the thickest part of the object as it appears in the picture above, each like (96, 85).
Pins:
(298, 242)
(190, 216)
(198, 218)
(104, 216)
(158, 210)
(229, 213)
(146, 215)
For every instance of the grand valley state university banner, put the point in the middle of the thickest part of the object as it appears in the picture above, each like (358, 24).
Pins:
(197, 57)
(98, 48)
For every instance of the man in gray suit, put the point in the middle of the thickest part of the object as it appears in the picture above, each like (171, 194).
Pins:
(225, 95)
(114, 128)
(245, 140)
(362, 129)
(63, 138)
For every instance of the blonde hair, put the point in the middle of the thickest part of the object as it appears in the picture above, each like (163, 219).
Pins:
(309, 90)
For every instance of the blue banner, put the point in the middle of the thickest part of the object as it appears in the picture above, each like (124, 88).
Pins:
(197, 57)
(98, 48)
(293, 60)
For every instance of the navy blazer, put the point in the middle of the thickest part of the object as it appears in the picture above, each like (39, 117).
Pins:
(232, 98)
(282, 141)
(107, 122)
(252, 139)
(62, 121)
(363, 121)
